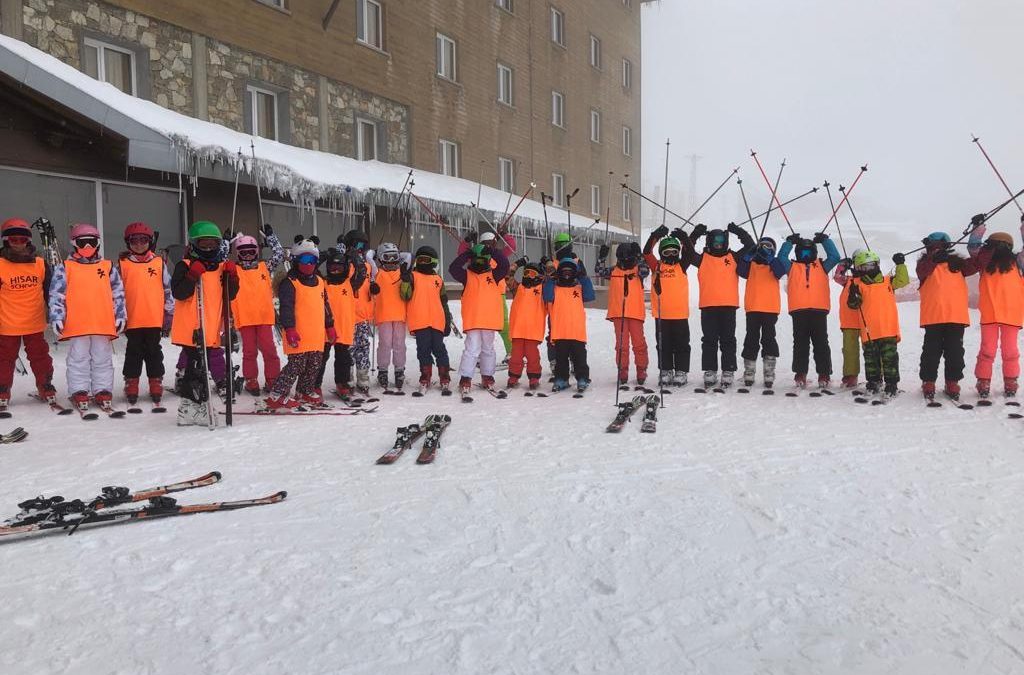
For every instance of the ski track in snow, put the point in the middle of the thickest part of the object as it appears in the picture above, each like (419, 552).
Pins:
(749, 535)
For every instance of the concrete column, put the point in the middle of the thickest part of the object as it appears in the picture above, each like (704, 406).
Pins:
(325, 121)
(11, 18)
(200, 85)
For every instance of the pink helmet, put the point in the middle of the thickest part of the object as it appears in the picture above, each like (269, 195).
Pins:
(84, 230)
(245, 240)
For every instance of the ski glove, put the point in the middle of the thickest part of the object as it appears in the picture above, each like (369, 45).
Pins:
(734, 228)
(196, 269)
(699, 231)
(978, 220)
(292, 336)
(267, 230)
(58, 328)
(820, 237)
(660, 232)
(230, 268)
(678, 234)
(332, 335)
(374, 288)
(899, 258)
(602, 253)
(793, 239)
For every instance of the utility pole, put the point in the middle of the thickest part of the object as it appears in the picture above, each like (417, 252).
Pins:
(693, 180)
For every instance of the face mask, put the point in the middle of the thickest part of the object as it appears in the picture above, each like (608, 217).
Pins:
(87, 251)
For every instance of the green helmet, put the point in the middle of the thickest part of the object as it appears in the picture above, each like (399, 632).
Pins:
(481, 251)
(669, 242)
(864, 257)
(203, 229)
(562, 239)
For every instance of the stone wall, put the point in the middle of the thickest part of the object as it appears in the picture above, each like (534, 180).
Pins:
(345, 103)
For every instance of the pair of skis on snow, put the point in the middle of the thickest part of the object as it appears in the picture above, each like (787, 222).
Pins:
(14, 436)
(55, 513)
(431, 430)
(649, 402)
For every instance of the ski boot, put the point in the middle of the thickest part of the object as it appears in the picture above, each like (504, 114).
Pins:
(399, 378)
(984, 389)
(823, 383)
(664, 378)
(641, 377)
(952, 390)
(873, 387)
(191, 413)
(363, 382)
(559, 385)
(513, 381)
(582, 384)
(343, 390)
(252, 386)
(534, 382)
(47, 393)
(5, 399)
(382, 378)
(800, 380)
(274, 403)
(710, 378)
(80, 400)
(679, 379)
(156, 389)
(891, 390)
(928, 391)
(849, 382)
(769, 371)
(131, 390)
(1010, 387)
(749, 372)
(728, 377)
(465, 386)
(444, 374)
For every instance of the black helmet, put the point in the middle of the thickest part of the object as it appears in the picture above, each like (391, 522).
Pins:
(717, 242)
(806, 251)
(426, 251)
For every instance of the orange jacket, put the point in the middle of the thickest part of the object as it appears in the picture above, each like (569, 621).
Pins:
(719, 281)
(309, 317)
(254, 304)
(635, 307)
(482, 302)
(388, 304)
(143, 292)
(528, 316)
(880, 312)
(762, 293)
(22, 302)
(89, 300)
(675, 292)
(186, 312)
(568, 316)
(343, 307)
(425, 309)
(1002, 298)
(944, 297)
(808, 287)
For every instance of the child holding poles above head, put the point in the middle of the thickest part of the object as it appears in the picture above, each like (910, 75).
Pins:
(762, 302)
(670, 303)
(626, 307)
(565, 295)
(527, 322)
(482, 317)
(873, 295)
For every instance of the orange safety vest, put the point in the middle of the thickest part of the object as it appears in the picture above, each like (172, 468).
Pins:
(944, 297)
(89, 300)
(143, 292)
(424, 309)
(364, 299)
(568, 317)
(22, 303)
(635, 308)
(526, 319)
(309, 317)
(343, 308)
(675, 292)
(762, 293)
(482, 302)
(1002, 298)
(186, 312)
(719, 282)
(880, 312)
(808, 287)
(388, 304)
(849, 318)
(254, 304)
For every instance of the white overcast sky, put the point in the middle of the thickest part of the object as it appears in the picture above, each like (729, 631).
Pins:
(832, 84)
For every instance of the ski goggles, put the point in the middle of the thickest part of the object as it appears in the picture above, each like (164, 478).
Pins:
(425, 260)
(139, 239)
(530, 273)
(248, 251)
(82, 242)
(17, 239)
(307, 259)
(207, 243)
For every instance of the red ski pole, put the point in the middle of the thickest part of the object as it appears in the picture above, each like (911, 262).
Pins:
(977, 141)
(775, 197)
(846, 195)
(437, 219)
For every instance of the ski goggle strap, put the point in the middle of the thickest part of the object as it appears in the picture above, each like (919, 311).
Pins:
(307, 259)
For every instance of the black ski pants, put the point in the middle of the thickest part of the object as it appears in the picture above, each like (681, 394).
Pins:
(143, 347)
(760, 335)
(573, 351)
(943, 341)
(718, 328)
(430, 346)
(810, 327)
(342, 364)
(673, 340)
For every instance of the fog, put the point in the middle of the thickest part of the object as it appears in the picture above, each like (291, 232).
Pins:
(899, 85)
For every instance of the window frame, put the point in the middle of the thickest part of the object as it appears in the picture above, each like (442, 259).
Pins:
(559, 108)
(440, 41)
(101, 66)
(252, 92)
(360, 147)
(595, 52)
(504, 162)
(595, 125)
(627, 207)
(511, 85)
(595, 200)
(627, 74)
(557, 189)
(275, 4)
(506, 5)
(627, 141)
(361, 31)
(557, 21)
(443, 145)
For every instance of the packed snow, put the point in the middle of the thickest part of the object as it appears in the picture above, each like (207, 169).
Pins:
(749, 534)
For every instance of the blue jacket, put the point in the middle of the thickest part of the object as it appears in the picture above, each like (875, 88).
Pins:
(783, 262)
(748, 259)
(585, 283)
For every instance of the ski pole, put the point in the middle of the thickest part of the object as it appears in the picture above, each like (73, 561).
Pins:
(846, 194)
(775, 191)
(522, 199)
(547, 226)
(568, 209)
(259, 194)
(607, 208)
(229, 371)
(849, 205)
(234, 201)
(395, 204)
(437, 219)
(664, 196)
(654, 203)
(838, 229)
(750, 218)
(977, 141)
(775, 197)
(710, 197)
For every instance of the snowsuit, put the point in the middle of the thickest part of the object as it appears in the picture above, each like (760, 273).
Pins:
(670, 306)
(944, 315)
(304, 309)
(626, 311)
(360, 348)
(809, 305)
(87, 303)
(149, 305)
(874, 297)
(24, 296)
(429, 320)
(253, 314)
(481, 312)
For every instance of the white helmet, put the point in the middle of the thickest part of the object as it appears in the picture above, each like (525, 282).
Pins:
(388, 254)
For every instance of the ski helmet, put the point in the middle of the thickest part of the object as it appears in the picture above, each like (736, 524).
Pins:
(667, 244)
(766, 247)
(806, 251)
(936, 239)
(203, 229)
(864, 259)
(1003, 238)
(84, 230)
(388, 254)
(562, 239)
(486, 237)
(717, 242)
(247, 247)
(336, 264)
(204, 240)
(15, 227)
(625, 255)
(533, 275)
(355, 239)
(566, 273)
(86, 239)
(138, 230)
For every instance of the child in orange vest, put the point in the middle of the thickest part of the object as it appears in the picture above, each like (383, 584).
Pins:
(344, 278)
(849, 322)
(670, 303)
(762, 302)
(428, 317)
(718, 275)
(389, 314)
(308, 326)
(527, 321)
(565, 295)
(24, 281)
(149, 305)
(810, 301)
(204, 268)
(873, 295)
(253, 308)
(626, 308)
(482, 316)
(87, 311)
(357, 248)
(1001, 302)
(944, 298)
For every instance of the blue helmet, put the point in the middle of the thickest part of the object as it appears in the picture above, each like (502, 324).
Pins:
(936, 239)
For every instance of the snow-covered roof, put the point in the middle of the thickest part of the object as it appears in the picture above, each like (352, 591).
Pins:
(165, 140)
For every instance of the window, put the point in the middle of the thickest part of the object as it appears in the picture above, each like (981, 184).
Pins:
(366, 140)
(558, 109)
(280, 4)
(627, 141)
(595, 52)
(370, 23)
(557, 27)
(111, 64)
(627, 206)
(557, 189)
(595, 126)
(504, 84)
(446, 57)
(506, 174)
(263, 105)
(504, 4)
(627, 74)
(627, 3)
(595, 199)
(449, 158)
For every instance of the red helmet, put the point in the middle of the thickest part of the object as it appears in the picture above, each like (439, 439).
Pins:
(137, 228)
(15, 227)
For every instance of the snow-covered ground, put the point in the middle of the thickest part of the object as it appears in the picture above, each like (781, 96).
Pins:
(749, 535)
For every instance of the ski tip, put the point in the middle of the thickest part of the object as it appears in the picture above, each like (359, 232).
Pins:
(215, 475)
